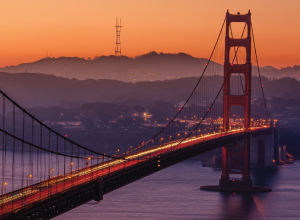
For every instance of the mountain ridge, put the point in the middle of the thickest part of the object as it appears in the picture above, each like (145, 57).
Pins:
(146, 67)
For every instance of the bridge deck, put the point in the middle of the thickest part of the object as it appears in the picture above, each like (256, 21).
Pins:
(24, 199)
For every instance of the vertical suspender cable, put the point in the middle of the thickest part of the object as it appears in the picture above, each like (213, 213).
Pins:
(261, 85)
(64, 162)
(50, 166)
(3, 143)
(14, 147)
(23, 136)
(57, 159)
(31, 150)
(41, 152)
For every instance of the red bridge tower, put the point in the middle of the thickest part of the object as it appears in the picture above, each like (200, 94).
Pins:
(236, 157)
(242, 153)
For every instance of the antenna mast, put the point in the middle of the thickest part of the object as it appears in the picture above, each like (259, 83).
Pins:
(118, 39)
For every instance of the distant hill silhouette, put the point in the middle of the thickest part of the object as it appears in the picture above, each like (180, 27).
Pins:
(32, 90)
(147, 67)
(271, 72)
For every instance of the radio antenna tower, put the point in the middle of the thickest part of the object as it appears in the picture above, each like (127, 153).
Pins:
(118, 39)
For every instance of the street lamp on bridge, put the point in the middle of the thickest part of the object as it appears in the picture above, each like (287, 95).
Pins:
(50, 172)
(4, 187)
(29, 176)
(129, 148)
(87, 160)
(70, 167)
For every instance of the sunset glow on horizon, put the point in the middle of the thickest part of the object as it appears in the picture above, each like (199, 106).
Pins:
(33, 29)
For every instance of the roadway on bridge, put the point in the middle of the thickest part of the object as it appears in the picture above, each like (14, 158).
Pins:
(15, 201)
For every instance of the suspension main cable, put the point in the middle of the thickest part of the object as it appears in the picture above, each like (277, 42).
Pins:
(38, 147)
(50, 129)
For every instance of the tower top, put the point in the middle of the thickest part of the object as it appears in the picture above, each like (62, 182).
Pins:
(238, 13)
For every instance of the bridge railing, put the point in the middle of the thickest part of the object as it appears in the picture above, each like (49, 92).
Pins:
(196, 134)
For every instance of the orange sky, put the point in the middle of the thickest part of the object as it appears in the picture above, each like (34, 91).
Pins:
(85, 28)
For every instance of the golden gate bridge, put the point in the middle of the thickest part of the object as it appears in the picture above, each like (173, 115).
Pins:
(44, 173)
